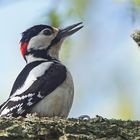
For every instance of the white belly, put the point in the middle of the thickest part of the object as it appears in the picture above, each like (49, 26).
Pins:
(57, 103)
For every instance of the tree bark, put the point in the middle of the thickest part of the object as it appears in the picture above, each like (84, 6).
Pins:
(35, 128)
(136, 36)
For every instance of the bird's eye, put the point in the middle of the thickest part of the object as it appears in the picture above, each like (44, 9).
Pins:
(47, 32)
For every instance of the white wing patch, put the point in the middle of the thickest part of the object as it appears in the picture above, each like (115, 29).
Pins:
(7, 110)
(29, 102)
(20, 109)
(39, 95)
(33, 75)
(18, 98)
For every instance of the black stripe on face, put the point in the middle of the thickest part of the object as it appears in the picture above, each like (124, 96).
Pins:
(41, 54)
(33, 31)
(54, 41)
(44, 52)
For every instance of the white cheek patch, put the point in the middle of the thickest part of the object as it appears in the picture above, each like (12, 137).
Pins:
(40, 42)
(32, 77)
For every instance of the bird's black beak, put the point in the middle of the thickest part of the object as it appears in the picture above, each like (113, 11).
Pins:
(69, 30)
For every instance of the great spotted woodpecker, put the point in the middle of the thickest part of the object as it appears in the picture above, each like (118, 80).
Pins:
(45, 85)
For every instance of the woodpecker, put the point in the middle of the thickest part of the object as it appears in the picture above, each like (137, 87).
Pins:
(45, 85)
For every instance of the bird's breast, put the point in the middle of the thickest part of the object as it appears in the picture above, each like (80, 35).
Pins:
(58, 102)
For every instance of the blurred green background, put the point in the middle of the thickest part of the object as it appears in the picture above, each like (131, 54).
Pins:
(102, 57)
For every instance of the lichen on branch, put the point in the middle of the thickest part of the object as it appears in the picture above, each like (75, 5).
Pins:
(136, 36)
(36, 128)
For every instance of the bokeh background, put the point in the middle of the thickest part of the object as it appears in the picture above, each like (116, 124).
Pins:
(102, 57)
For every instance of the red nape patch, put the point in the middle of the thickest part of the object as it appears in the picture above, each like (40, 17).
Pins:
(23, 48)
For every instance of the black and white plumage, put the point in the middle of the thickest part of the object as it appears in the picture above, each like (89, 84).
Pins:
(44, 86)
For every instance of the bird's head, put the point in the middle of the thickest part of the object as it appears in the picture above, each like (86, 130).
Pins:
(43, 41)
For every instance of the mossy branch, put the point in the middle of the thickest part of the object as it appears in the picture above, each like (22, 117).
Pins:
(35, 128)
(136, 36)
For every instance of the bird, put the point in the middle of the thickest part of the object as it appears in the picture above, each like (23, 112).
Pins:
(45, 85)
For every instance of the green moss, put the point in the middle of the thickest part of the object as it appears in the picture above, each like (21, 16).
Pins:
(35, 128)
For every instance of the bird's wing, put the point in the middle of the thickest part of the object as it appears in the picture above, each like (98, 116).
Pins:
(2, 104)
(19, 104)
